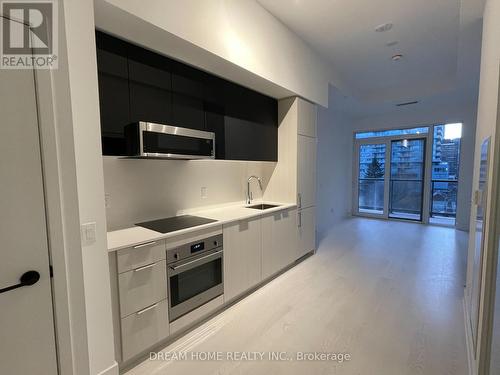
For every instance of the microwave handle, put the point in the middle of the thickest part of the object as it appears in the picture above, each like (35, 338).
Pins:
(194, 263)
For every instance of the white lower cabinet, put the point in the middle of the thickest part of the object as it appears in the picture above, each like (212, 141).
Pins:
(257, 249)
(142, 287)
(254, 250)
(279, 241)
(242, 257)
(139, 296)
(144, 328)
(306, 230)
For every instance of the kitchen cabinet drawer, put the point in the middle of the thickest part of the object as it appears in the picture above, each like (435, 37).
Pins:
(140, 255)
(242, 257)
(144, 329)
(306, 227)
(142, 287)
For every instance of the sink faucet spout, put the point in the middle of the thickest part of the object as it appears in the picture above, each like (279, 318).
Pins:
(249, 192)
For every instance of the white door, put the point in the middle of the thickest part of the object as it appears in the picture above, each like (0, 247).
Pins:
(26, 319)
(389, 177)
(477, 265)
(371, 179)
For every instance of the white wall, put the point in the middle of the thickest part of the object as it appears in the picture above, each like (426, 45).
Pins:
(236, 39)
(487, 118)
(141, 190)
(76, 94)
(334, 171)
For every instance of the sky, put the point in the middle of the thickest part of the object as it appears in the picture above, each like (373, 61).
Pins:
(453, 131)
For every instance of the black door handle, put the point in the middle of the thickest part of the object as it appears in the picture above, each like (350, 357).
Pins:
(28, 278)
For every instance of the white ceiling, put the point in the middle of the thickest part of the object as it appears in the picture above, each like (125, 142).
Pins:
(439, 40)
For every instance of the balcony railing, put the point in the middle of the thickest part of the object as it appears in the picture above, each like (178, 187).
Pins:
(444, 198)
(406, 197)
(371, 195)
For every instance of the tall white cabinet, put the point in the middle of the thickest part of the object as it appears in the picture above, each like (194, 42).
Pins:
(294, 177)
(306, 176)
(306, 171)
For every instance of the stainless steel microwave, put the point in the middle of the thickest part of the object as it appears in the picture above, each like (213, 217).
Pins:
(150, 140)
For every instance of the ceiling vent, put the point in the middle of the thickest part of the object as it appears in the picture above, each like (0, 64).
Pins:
(406, 103)
(384, 27)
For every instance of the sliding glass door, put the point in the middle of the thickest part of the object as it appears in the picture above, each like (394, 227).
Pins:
(406, 188)
(408, 174)
(389, 174)
(444, 174)
(371, 178)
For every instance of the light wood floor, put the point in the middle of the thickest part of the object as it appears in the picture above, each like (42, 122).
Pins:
(387, 293)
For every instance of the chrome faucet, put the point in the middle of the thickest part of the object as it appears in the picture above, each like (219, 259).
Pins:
(249, 193)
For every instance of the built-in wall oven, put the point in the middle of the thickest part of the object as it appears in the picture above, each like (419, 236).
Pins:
(194, 275)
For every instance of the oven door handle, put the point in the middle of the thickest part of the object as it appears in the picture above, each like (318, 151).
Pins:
(194, 263)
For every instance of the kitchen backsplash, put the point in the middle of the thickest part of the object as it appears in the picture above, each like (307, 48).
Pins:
(140, 190)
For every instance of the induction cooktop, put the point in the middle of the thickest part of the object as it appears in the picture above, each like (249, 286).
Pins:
(171, 224)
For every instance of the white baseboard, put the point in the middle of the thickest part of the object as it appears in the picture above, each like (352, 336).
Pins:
(111, 370)
(468, 340)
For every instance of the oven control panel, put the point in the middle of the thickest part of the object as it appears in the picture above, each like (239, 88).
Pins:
(194, 248)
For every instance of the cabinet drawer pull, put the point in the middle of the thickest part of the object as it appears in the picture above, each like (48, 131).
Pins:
(144, 244)
(300, 220)
(299, 200)
(146, 309)
(144, 267)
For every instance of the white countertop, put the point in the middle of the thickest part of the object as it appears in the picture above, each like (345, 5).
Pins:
(223, 214)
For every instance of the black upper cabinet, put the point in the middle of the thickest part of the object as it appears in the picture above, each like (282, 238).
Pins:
(215, 122)
(247, 140)
(187, 112)
(214, 89)
(246, 104)
(251, 119)
(213, 97)
(187, 97)
(113, 92)
(136, 84)
(150, 87)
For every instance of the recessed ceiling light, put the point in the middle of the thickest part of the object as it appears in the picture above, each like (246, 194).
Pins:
(391, 44)
(384, 27)
(397, 57)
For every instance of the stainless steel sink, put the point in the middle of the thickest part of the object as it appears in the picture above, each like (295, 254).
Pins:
(263, 206)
